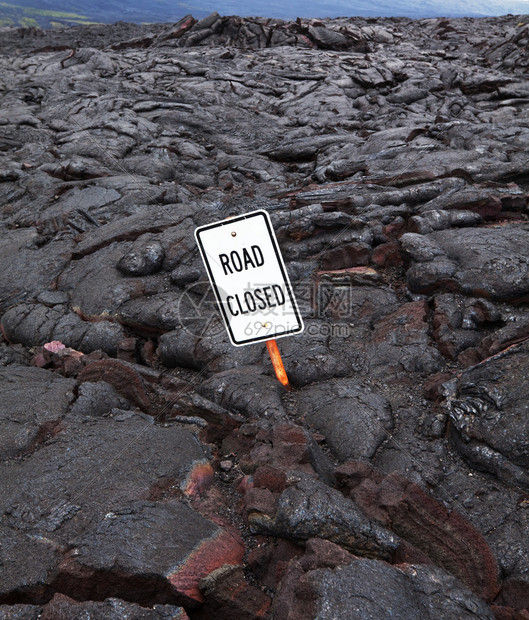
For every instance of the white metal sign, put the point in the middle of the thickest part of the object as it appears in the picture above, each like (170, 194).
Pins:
(247, 273)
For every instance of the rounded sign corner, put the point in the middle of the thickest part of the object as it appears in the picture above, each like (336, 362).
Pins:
(261, 212)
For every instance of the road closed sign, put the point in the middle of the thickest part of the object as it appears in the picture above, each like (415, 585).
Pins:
(248, 276)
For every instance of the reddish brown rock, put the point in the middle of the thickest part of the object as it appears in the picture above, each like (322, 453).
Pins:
(351, 255)
(67, 361)
(447, 538)
(320, 553)
(226, 547)
(508, 613)
(127, 350)
(260, 500)
(395, 229)
(148, 353)
(270, 478)
(228, 595)
(488, 207)
(515, 592)
(198, 479)
(387, 255)
(285, 448)
(181, 402)
(289, 434)
(432, 385)
(143, 387)
(125, 379)
(177, 30)
(470, 357)
(294, 601)
(269, 562)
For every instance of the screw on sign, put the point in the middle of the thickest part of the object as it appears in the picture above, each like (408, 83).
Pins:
(250, 282)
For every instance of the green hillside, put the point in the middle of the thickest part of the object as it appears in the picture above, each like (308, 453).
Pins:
(25, 16)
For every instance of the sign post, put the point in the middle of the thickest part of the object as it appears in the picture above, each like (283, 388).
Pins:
(250, 282)
(277, 363)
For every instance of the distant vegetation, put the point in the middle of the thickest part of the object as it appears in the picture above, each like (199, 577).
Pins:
(26, 17)
(58, 13)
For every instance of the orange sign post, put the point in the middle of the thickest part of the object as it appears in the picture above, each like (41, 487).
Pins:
(277, 363)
